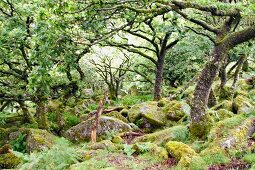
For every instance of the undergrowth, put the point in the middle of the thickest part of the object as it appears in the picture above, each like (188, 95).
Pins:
(59, 157)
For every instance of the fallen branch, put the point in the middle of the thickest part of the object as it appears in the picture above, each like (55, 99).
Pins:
(95, 126)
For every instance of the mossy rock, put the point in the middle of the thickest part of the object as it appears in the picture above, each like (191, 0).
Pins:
(242, 105)
(100, 145)
(177, 133)
(232, 133)
(118, 115)
(4, 133)
(124, 112)
(220, 114)
(155, 116)
(182, 152)
(136, 111)
(9, 161)
(214, 155)
(152, 148)
(38, 140)
(118, 140)
(176, 110)
(82, 131)
(225, 104)
(163, 102)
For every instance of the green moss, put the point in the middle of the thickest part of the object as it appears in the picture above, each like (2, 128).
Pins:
(242, 105)
(202, 128)
(136, 111)
(249, 158)
(176, 110)
(179, 149)
(117, 139)
(8, 161)
(185, 155)
(177, 133)
(117, 115)
(220, 114)
(221, 129)
(225, 93)
(225, 104)
(214, 155)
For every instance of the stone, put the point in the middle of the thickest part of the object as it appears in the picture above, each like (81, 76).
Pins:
(242, 105)
(9, 161)
(176, 110)
(136, 111)
(182, 152)
(82, 131)
(177, 133)
(118, 115)
(38, 140)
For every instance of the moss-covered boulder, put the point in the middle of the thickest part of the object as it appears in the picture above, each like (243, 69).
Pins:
(118, 115)
(242, 105)
(182, 152)
(136, 111)
(82, 131)
(176, 110)
(232, 133)
(9, 161)
(34, 139)
(220, 114)
(225, 104)
(176, 133)
(38, 140)
(154, 116)
(152, 148)
(100, 145)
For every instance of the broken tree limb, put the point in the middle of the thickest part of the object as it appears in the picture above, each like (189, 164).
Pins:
(95, 126)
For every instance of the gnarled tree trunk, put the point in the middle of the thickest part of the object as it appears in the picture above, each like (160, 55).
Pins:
(199, 120)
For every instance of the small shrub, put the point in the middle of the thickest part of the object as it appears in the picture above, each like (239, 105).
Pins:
(128, 150)
(19, 144)
(249, 158)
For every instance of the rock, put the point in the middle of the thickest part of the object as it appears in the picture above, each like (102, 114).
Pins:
(38, 140)
(225, 104)
(82, 131)
(179, 149)
(100, 145)
(220, 114)
(142, 147)
(163, 102)
(176, 110)
(182, 152)
(135, 112)
(124, 112)
(35, 139)
(176, 133)
(242, 105)
(117, 139)
(9, 161)
(232, 132)
(5, 149)
(154, 115)
(117, 115)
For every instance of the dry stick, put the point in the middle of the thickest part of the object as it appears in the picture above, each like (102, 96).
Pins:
(95, 126)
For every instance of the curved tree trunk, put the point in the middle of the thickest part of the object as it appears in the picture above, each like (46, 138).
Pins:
(199, 119)
(28, 116)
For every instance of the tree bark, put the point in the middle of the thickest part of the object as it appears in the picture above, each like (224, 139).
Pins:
(236, 75)
(160, 67)
(41, 115)
(200, 125)
(28, 116)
